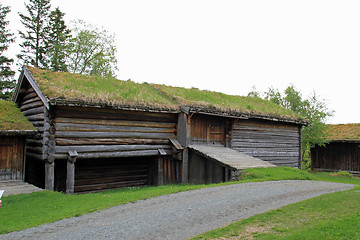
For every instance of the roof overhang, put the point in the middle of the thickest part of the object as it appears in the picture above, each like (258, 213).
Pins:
(240, 115)
(27, 74)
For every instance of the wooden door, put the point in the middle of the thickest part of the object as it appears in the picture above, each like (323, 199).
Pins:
(11, 158)
(206, 129)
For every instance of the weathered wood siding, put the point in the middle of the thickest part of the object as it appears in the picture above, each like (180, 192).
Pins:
(337, 156)
(205, 171)
(278, 143)
(11, 157)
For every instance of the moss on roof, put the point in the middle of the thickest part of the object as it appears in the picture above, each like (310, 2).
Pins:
(342, 132)
(224, 102)
(11, 118)
(116, 92)
(97, 89)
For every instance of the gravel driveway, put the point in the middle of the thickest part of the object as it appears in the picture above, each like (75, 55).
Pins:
(181, 215)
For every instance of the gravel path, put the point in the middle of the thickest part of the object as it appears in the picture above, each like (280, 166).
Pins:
(181, 215)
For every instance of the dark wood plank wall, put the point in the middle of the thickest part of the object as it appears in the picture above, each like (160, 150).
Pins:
(336, 157)
(278, 143)
(116, 148)
(205, 171)
(11, 157)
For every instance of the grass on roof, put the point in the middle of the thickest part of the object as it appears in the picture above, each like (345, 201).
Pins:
(343, 132)
(11, 118)
(97, 89)
(225, 102)
(110, 90)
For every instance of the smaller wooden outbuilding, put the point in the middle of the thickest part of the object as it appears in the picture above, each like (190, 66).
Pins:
(342, 153)
(14, 128)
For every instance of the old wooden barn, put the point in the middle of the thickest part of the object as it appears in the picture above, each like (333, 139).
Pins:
(14, 128)
(96, 133)
(342, 153)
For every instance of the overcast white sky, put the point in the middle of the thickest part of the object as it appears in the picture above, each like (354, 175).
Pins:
(232, 45)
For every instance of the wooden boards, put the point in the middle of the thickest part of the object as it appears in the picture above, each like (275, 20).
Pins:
(278, 143)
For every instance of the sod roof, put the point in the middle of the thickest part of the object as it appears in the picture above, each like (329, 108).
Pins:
(12, 120)
(111, 91)
(343, 132)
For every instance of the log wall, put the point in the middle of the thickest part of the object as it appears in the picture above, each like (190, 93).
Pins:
(36, 151)
(116, 148)
(33, 108)
(96, 133)
(277, 143)
(337, 157)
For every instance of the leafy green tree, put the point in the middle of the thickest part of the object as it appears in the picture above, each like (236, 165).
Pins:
(7, 83)
(313, 109)
(58, 41)
(92, 51)
(34, 45)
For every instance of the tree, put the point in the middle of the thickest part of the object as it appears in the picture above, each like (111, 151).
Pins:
(34, 45)
(92, 51)
(7, 83)
(58, 41)
(314, 110)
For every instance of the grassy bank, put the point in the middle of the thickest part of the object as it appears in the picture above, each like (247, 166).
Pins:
(330, 216)
(29, 210)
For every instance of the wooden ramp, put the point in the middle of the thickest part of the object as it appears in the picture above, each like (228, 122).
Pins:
(230, 157)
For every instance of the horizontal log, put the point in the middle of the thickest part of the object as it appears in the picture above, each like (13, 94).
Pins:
(111, 171)
(36, 117)
(265, 145)
(34, 156)
(102, 180)
(98, 187)
(34, 104)
(30, 95)
(31, 100)
(33, 142)
(237, 134)
(115, 122)
(108, 148)
(68, 134)
(34, 111)
(142, 153)
(105, 128)
(108, 141)
(237, 127)
(114, 114)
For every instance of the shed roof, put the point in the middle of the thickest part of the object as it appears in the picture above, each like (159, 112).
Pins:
(65, 88)
(12, 120)
(343, 132)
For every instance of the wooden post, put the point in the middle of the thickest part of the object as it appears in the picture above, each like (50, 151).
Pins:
(70, 168)
(49, 176)
(300, 150)
(160, 171)
(183, 138)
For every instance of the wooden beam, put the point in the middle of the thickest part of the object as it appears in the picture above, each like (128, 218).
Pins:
(70, 172)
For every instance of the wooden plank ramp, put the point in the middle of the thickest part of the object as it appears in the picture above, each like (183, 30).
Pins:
(230, 157)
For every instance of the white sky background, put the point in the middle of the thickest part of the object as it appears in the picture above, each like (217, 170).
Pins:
(231, 45)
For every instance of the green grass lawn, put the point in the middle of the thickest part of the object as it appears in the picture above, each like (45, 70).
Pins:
(29, 210)
(330, 216)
